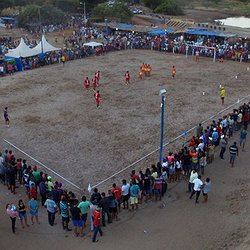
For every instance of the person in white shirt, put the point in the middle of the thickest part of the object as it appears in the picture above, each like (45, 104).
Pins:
(198, 184)
(125, 193)
(193, 176)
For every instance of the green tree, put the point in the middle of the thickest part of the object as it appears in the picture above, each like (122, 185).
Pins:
(170, 7)
(117, 11)
(152, 3)
(46, 14)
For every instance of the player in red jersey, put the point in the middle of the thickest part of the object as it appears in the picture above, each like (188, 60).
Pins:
(97, 98)
(173, 71)
(87, 83)
(97, 76)
(94, 81)
(127, 77)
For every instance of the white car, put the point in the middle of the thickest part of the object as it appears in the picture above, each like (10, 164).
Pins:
(137, 11)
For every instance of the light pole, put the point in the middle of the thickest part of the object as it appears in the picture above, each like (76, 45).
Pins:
(162, 93)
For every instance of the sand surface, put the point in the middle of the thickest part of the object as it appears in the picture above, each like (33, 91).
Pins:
(55, 120)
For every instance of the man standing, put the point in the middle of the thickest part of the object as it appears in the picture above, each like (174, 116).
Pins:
(97, 98)
(97, 223)
(87, 83)
(197, 188)
(173, 72)
(125, 193)
(127, 77)
(84, 206)
(193, 176)
(76, 219)
(104, 204)
(223, 144)
(222, 95)
(134, 194)
(243, 136)
(51, 209)
(206, 189)
(6, 117)
(234, 151)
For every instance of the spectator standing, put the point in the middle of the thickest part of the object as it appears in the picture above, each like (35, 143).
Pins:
(22, 213)
(125, 193)
(11, 211)
(243, 137)
(84, 207)
(234, 151)
(134, 194)
(117, 191)
(223, 144)
(197, 188)
(64, 208)
(206, 189)
(97, 223)
(51, 209)
(76, 219)
(33, 210)
(193, 176)
(104, 204)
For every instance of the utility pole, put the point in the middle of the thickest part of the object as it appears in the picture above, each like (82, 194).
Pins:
(84, 12)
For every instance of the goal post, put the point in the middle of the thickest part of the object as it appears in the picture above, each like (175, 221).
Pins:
(193, 46)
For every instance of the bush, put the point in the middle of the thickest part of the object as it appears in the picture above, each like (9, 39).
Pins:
(169, 7)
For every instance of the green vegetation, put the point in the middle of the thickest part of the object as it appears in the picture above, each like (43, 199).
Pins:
(118, 11)
(170, 7)
(46, 14)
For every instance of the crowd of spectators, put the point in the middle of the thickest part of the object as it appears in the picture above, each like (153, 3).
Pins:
(186, 164)
(119, 40)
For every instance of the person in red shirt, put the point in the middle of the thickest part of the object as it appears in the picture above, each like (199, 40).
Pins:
(33, 192)
(97, 76)
(173, 71)
(127, 77)
(87, 83)
(117, 191)
(94, 81)
(97, 223)
(97, 98)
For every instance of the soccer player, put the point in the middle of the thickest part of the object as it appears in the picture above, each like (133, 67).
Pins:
(94, 81)
(222, 95)
(87, 83)
(97, 76)
(6, 117)
(173, 71)
(97, 98)
(141, 73)
(127, 77)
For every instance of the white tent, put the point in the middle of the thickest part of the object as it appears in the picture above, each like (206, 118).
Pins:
(93, 44)
(44, 47)
(22, 50)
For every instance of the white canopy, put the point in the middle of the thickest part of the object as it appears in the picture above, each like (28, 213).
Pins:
(93, 44)
(22, 50)
(43, 47)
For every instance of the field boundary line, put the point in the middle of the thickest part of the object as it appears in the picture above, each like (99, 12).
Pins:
(169, 142)
(43, 165)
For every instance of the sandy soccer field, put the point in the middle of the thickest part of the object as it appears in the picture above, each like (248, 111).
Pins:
(54, 119)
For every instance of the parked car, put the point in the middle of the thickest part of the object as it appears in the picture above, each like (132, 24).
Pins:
(137, 11)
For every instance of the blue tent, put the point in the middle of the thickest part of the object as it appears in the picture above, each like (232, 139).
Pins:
(159, 32)
(124, 26)
(201, 32)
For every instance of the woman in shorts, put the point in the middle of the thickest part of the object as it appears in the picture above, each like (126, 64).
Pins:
(33, 210)
(22, 213)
